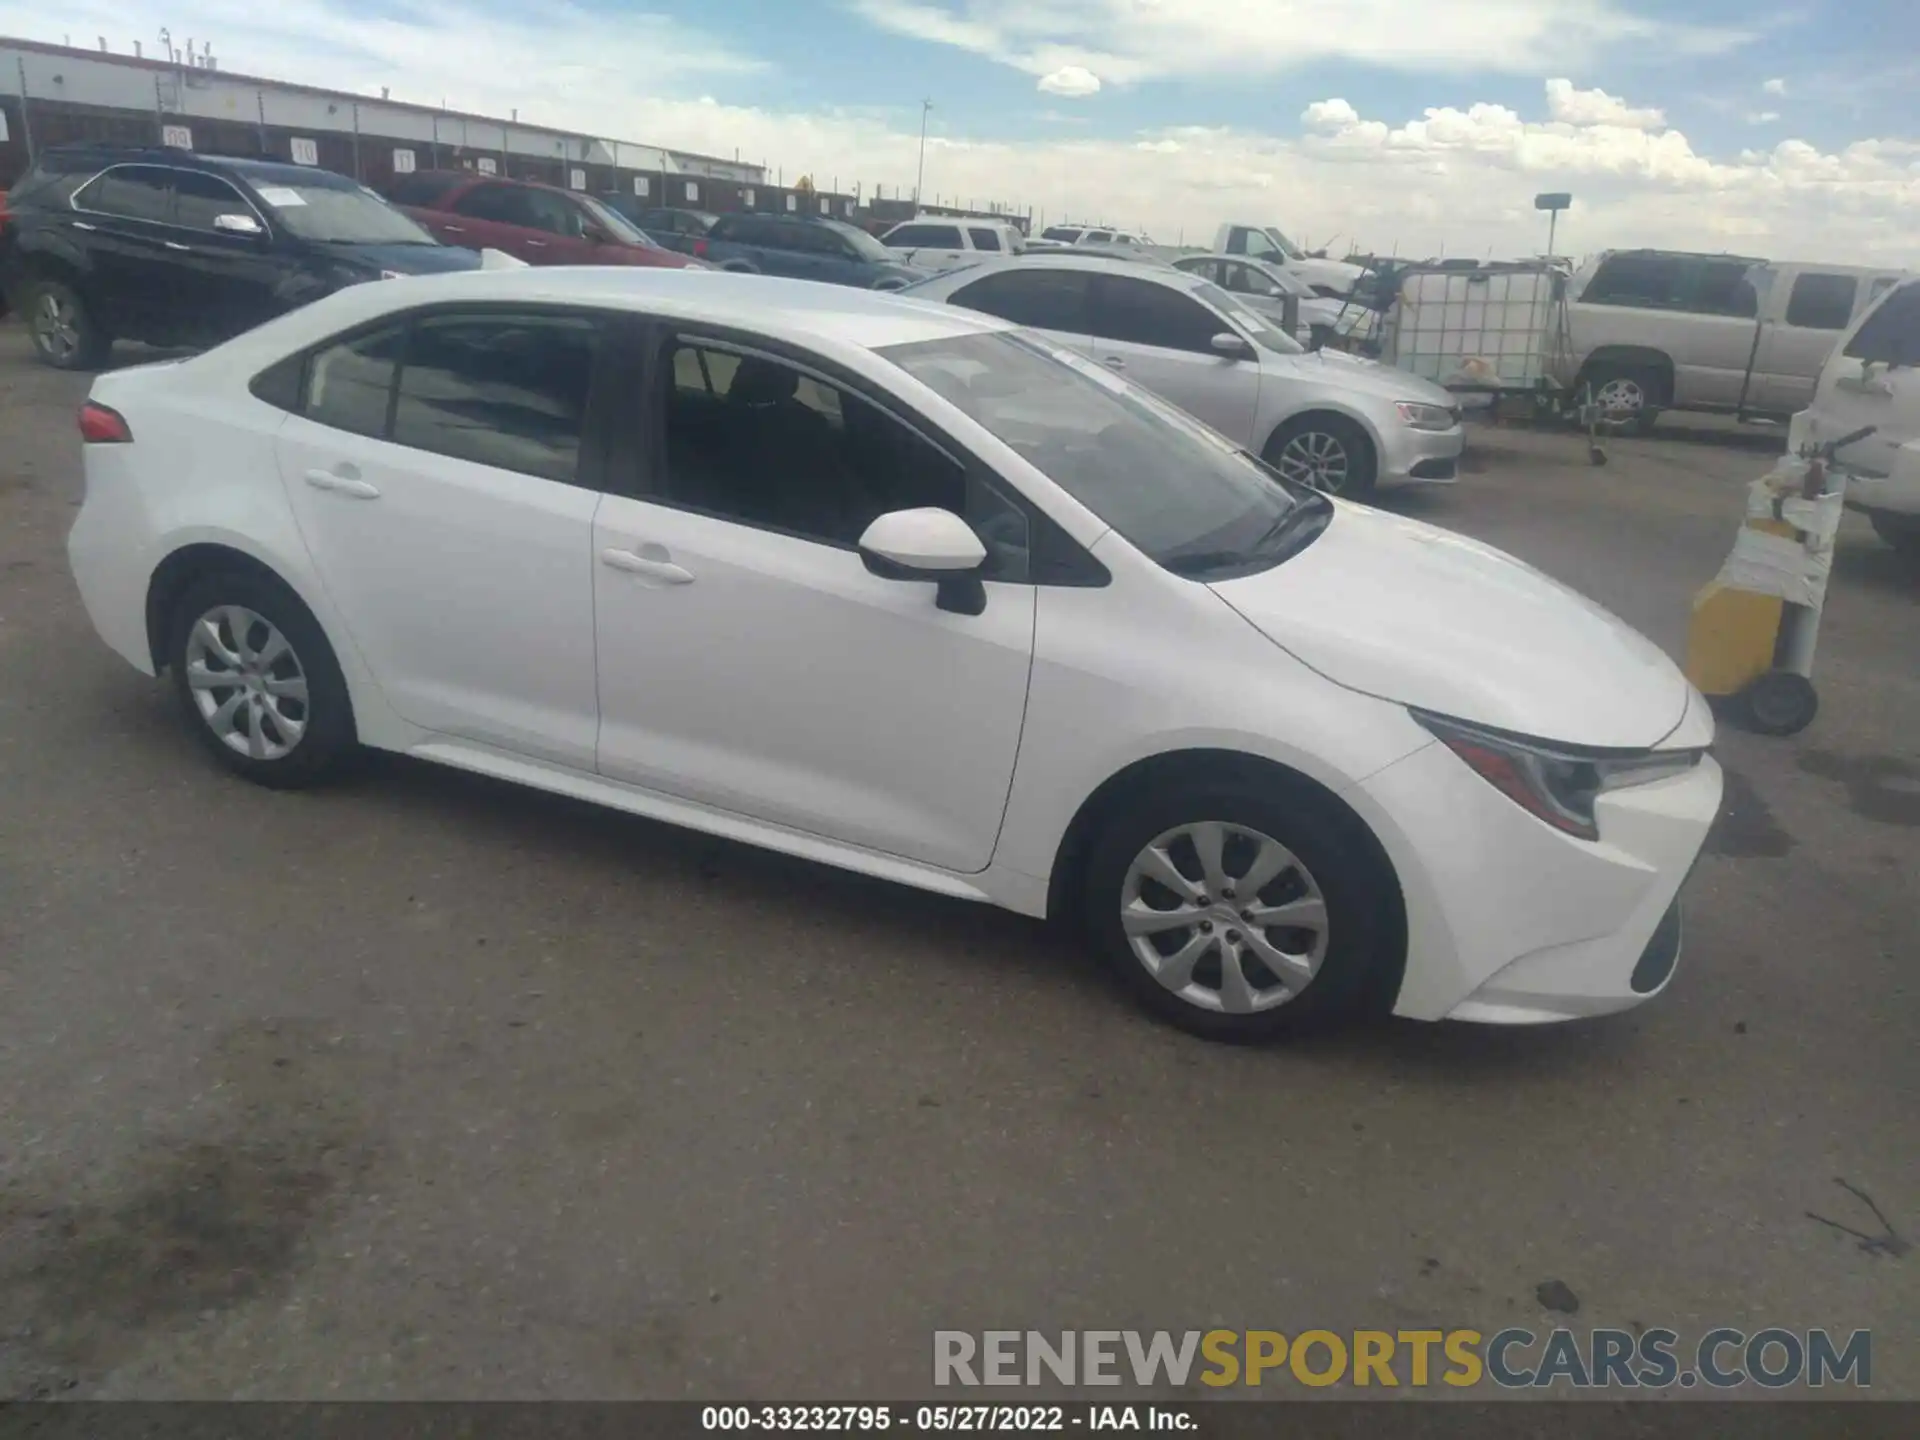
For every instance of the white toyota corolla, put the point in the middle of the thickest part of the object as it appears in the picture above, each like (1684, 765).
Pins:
(900, 588)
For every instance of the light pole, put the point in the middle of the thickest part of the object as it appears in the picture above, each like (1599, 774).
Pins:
(1553, 204)
(926, 107)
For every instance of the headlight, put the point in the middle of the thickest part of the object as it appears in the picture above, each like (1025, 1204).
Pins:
(1427, 417)
(1556, 783)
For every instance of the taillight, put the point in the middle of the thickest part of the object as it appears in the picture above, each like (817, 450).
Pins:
(102, 426)
(699, 248)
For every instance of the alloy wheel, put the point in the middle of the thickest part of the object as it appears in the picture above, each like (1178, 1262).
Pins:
(247, 682)
(1225, 917)
(1622, 395)
(1316, 458)
(56, 327)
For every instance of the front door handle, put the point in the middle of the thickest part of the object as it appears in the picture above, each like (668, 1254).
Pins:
(83, 225)
(174, 245)
(342, 484)
(1113, 362)
(454, 229)
(662, 570)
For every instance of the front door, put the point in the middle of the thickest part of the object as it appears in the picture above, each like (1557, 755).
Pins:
(452, 522)
(229, 280)
(749, 661)
(1161, 338)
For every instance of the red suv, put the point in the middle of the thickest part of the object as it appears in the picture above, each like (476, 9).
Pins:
(540, 224)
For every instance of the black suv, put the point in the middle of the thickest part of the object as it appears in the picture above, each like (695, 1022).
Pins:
(101, 244)
(676, 229)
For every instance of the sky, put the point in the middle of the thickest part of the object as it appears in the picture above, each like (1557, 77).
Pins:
(1419, 127)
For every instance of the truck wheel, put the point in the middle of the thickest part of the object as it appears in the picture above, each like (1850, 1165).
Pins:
(1779, 703)
(1902, 532)
(1628, 394)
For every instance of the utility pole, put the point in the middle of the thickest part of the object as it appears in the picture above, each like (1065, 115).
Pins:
(926, 107)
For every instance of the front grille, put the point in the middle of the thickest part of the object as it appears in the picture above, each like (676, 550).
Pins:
(1661, 955)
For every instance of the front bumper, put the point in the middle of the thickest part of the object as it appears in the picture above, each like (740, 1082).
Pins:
(1421, 456)
(1512, 922)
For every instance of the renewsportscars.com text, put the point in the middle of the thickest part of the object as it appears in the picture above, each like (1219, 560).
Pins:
(1721, 1359)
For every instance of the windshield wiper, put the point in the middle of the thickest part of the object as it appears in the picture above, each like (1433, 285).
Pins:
(1296, 526)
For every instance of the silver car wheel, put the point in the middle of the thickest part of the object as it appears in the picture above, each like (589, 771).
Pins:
(1316, 458)
(1225, 917)
(1622, 395)
(56, 326)
(247, 682)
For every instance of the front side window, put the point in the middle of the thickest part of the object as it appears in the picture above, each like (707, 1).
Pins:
(555, 214)
(1822, 302)
(502, 204)
(1041, 299)
(983, 238)
(1634, 280)
(1891, 334)
(1252, 323)
(909, 237)
(1139, 312)
(199, 199)
(1180, 493)
(767, 444)
(128, 192)
(501, 390)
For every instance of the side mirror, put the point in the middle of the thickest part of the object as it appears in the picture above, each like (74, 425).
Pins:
(238, 225)
(929, 544)
(1232, 346)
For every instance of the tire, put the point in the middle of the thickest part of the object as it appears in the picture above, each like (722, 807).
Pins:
(739, 267)
(1636, 393)
(1902, 532)
(1305, 450)
(65, 335)
(1345, 956)
(1779, 703)
(300, 742)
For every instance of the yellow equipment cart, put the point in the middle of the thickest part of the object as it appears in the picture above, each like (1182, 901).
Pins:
(1754, 627)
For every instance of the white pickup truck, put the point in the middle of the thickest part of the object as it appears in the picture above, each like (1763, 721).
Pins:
(1333, 279)
(946, 242)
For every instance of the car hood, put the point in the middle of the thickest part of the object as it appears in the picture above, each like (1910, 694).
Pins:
(1336, 274)
(404, 259)
(1419, 615)
(1356, 372)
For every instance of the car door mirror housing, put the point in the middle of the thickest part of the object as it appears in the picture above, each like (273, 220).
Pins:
(238, 224)
(929, 544)
(1231, 346)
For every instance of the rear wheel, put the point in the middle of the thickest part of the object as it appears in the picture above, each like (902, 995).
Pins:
(1327, 452)
(1237, 914)
(1628, 394)
(258, 681)
(65, 333)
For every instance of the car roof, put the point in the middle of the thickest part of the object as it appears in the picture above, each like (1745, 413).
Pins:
(1090, 261)
(799, 311)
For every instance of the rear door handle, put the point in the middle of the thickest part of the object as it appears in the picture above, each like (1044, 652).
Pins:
(342, 484)
(454, 229)
(1113, 362)
(83, 225)
(664, 571)
(174, 245)
(537, 244)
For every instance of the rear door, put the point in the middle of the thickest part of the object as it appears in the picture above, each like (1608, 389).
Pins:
(1054, 302)
(1810, 310)
(1162, 338)
(120, 221)
(441, 476)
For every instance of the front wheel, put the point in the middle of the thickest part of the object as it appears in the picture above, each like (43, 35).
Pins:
(1240, 915)
(65, 333)
(1330, 453)
(258, 681)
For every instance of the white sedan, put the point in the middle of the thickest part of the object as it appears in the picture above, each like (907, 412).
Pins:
(899, 588)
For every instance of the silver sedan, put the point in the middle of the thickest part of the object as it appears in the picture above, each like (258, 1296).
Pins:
(1324, 418)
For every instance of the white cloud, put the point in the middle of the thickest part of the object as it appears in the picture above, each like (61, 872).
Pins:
(1762, 117)
(1329, 115)
(1124, 41)
(1775, 86)
(1071, 81)
(1597, 107)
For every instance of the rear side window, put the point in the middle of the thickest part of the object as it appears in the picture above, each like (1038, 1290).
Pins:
(499, 390)
(1891, 334)
(130, 192)
(1139, 312)
(1041, 299)
(350, 385)
(983, 238)
(1822, 302)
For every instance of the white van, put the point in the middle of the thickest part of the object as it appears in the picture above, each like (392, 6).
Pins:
(1873, 378)
(946, 242)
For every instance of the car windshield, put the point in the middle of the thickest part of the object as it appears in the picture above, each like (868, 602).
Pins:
(1060, 232)
(864, 245)
(1262, 331)
(340, 215)
(1180, 493)
(617, 224)
(1270, 241)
